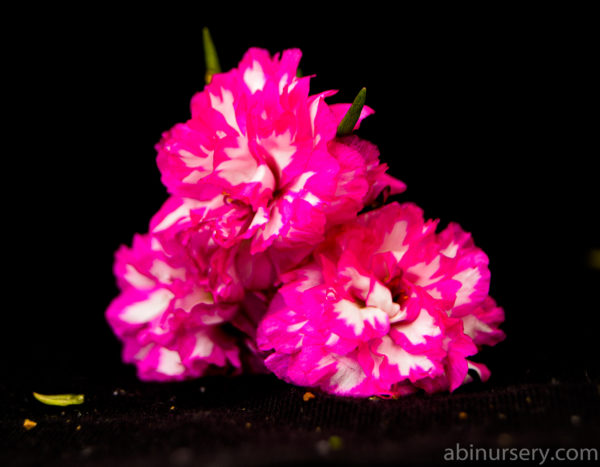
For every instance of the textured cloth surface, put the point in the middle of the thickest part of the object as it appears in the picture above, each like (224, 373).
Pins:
(258, 420)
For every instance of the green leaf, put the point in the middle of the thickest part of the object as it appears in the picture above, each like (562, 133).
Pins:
(348, 123)
(211, 59)
(59, 399)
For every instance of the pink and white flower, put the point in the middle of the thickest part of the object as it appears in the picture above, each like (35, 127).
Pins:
(182, 311)
(262, 156)
(263, 214)
(386, 306)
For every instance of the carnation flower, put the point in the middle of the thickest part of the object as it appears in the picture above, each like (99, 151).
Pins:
(177, 320)
(262, 156)
(384, 307)
(266, 185)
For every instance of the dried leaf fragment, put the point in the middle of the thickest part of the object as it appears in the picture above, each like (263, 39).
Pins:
(59, 399)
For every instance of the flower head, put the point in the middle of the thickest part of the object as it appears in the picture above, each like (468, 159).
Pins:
(266, 186)
(263, 156)
(386, 306)
(177, 318)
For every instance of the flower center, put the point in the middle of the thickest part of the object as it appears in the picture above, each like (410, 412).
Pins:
(399, 290)
(400, 297)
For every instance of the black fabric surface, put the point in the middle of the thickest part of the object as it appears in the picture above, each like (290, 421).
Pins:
(258, 420)
(487, 116)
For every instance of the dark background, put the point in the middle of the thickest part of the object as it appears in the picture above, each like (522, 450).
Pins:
(490, 119)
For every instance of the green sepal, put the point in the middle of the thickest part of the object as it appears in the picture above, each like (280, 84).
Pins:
(348, 123)
(211, 59)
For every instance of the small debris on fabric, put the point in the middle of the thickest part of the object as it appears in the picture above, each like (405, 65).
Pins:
(336, 443)
(322, 447)
(181, 456)
(505, 440)
(29, 424)
(463, 415)
(308, 396)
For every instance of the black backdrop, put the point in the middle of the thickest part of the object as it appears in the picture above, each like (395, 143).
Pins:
(488, 119)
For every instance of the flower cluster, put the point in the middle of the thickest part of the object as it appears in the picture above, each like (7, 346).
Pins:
(261, 258)
(384, 306)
